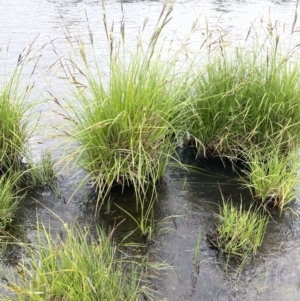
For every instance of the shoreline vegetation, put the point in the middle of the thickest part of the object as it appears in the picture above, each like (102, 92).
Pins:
(242, 105)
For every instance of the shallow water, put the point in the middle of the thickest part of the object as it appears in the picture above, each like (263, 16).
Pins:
(274, 274)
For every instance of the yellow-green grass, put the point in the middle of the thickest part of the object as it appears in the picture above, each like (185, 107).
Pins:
(125, 122)
(14, 110)
(13, 134)
(243, 98)
(10, 199)
(76, 267)
(240, 231)
(272, 177)
(41, 174)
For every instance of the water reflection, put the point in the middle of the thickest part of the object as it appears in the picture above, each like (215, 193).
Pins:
(274, 274)
(66, 3)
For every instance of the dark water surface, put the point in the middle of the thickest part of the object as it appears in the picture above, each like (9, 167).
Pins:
(274, 274)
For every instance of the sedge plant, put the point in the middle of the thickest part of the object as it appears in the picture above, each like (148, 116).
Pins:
(197, 250)
(272, 177)
(125, 122)
(41, 174)
(10, 199)
(15, 128)
(77, 267)
(240, 232)
(244, 97)
(145, 219)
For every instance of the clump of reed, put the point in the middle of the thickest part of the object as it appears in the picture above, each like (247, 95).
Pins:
(245, 97)
(10, 198)
(14, 109)
(240, 231)
(125, 122)
(77, 267)
(15, 128)
(41, 174)
(272, 176)
(245, 107)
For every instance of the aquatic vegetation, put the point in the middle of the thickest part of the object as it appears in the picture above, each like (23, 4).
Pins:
(13, 132)
(14, 111)
(244, 97)
(240, 231)
(145, 221)
(15, 129)
(76, 267)
(41, 174)
(9, 200)
(126, 122)
(272, 177)
(197, 250)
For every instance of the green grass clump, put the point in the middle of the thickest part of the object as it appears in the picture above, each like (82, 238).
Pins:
(14, 108)
(12, 129)
(244, 98)
(41, 174)
(75, 268)
(125, 132)
(126, 122)
(240, 232)
(272, 177)
(9, 201)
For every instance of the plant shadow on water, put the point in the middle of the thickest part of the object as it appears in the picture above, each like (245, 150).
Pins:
(195, 197)
(187, 208)
(187, 205)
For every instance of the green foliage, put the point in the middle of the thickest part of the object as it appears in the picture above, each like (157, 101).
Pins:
(9, 201)
(272, 177)
(41, 174)
(14, 130)
(243, 98)
(78, 267)
(197, 250)
(145, 221)
(14, 133)
(240, 232)
(126, 122)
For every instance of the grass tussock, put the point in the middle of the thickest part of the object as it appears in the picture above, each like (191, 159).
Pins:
(125, 122)
(245, 104)
(41, 174)
(272, 177)
(15, 129)
(14, 112)
(78, 267)
(240, 232)
(10, 199)
(243, 98)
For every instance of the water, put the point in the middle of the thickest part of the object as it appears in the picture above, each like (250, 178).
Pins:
(274, 273)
